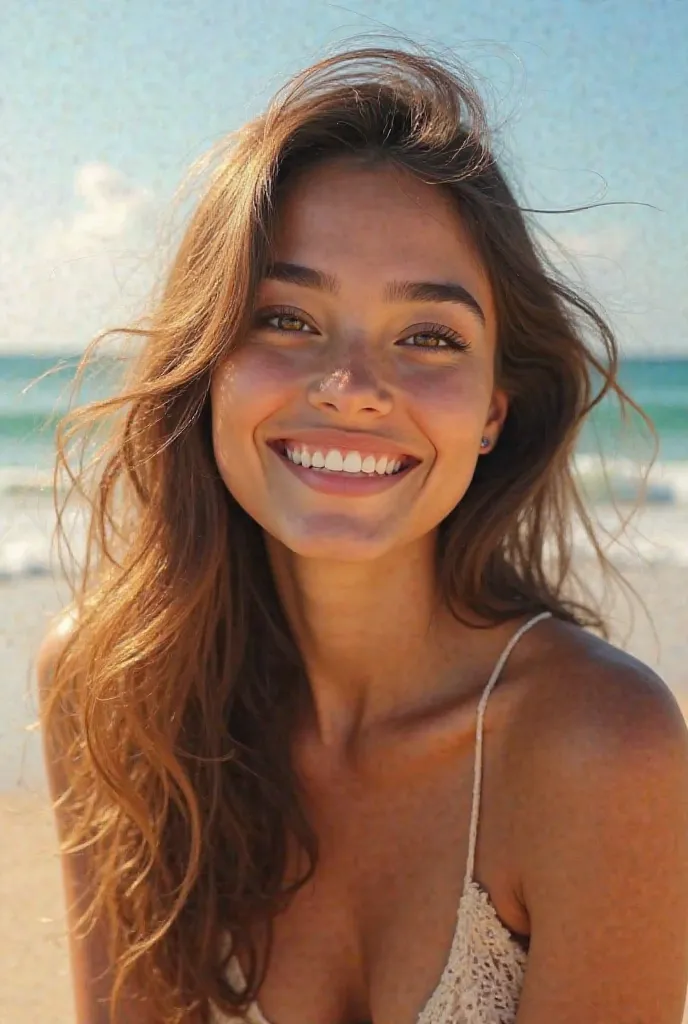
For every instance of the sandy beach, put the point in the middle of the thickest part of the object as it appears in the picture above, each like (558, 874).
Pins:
(34, 971)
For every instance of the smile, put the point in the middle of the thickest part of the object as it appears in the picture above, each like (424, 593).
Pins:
(343, 470)
(336, 460)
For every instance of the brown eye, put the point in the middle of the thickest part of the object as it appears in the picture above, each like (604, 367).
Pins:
(427, 341)
(285, 321)
(435, 337)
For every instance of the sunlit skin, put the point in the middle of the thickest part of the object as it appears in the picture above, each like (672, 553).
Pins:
(583, 837)
(351, 358)
(384, 749)
(352, 353)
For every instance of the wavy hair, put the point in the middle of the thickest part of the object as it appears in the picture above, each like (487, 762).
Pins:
(172, 698)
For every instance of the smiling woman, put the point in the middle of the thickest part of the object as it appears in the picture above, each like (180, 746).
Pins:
(360, 349)
(330, 522)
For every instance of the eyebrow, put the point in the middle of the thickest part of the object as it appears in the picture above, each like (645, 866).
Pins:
(395, 291)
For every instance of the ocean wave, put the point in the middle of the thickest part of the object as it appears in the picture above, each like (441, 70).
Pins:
(24, 559)
(627, 481)
(15, 480)
(658, 534)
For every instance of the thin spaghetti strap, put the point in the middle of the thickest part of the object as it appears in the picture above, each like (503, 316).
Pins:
(478, 769)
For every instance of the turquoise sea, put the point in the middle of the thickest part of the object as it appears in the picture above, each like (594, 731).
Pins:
(32, 397)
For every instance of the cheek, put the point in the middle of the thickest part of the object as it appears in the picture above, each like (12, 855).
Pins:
(450, 405)
(246, 389)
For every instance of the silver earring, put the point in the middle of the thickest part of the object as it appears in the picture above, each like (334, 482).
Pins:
(484, 443)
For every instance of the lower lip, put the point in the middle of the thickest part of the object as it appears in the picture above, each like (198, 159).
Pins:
(346, 484)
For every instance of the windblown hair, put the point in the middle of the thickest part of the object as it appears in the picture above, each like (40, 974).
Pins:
(171, 702)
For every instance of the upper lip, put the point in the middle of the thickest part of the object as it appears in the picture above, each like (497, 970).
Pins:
(344, 440)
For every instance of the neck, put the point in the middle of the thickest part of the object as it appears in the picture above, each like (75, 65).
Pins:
(371, 634)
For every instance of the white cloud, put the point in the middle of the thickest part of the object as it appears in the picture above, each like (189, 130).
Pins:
(63, 282)
(608, 243)
(598, 258)
(611, 265)
(111, 207)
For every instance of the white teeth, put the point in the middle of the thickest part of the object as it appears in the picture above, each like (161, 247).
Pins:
(352, 462)
(336, 462)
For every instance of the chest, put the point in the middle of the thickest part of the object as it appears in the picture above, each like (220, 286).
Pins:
(369, 936)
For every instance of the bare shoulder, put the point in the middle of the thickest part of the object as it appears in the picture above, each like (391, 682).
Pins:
(593, 720)
(58, 633)
(88, 954)
(587, 690)
(598, 774)
(55, 640)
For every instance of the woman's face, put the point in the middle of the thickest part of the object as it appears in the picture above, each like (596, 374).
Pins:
(349, 420)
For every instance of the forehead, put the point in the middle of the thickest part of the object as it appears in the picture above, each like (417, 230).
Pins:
(381, 221)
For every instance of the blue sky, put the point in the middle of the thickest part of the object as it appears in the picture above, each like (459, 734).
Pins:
(103, 106)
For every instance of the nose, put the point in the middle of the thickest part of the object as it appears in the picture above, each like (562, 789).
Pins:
(352, 387)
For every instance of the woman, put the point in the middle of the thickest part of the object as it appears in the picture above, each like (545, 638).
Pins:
(331, 523)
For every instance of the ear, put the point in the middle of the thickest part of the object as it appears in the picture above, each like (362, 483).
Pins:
(497, 412)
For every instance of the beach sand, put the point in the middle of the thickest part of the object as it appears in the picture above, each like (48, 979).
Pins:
(34, 971)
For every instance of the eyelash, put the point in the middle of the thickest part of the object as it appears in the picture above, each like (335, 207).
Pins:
(441, 331)
(453, 340)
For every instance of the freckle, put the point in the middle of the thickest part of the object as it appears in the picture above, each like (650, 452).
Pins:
(226, 377)
(229, 372)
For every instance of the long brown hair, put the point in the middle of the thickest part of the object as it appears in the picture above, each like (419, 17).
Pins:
(171, 700)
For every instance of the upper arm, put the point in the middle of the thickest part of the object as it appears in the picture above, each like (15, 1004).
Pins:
(88, 955)
(605, 878)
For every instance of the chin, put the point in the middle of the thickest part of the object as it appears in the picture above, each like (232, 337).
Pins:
(336, 540)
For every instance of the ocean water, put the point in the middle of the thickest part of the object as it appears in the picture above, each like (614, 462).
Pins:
(34, 392)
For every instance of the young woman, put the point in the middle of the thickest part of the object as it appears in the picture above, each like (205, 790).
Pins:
(331, 740)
